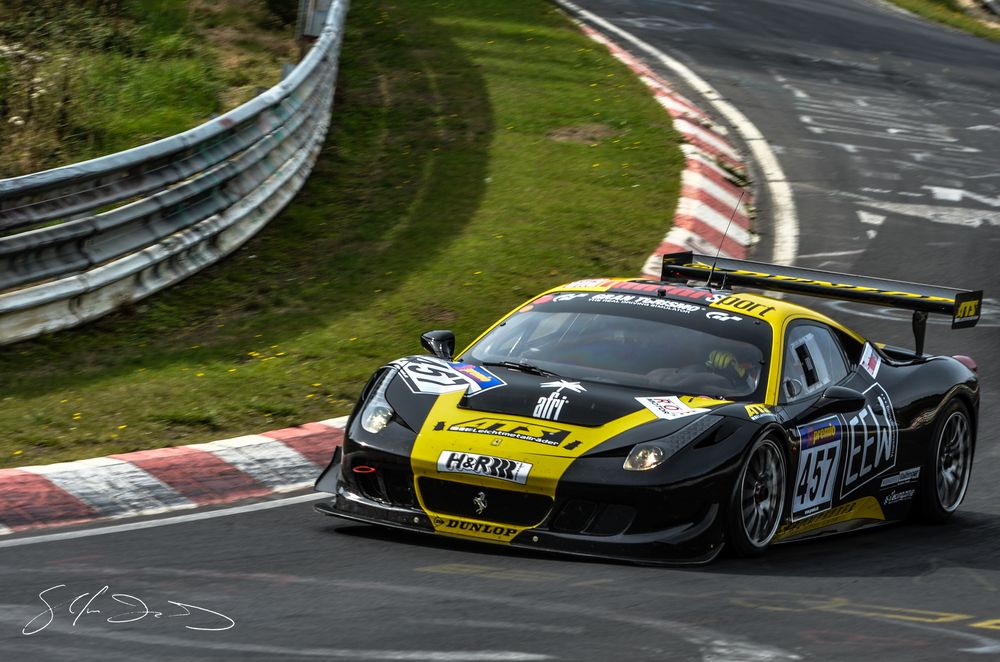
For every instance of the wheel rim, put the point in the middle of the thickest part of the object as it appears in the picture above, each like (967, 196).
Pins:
(954, 458)
(762, 492)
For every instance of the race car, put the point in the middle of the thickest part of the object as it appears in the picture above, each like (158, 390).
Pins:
(661, 421)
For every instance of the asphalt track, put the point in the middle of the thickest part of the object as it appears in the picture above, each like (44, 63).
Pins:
(889, 130)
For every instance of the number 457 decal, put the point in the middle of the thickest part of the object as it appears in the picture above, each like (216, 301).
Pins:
(819, 458)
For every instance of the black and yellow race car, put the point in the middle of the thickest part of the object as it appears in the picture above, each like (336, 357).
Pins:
(659, 421)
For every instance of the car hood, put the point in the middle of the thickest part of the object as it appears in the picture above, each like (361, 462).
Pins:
(537, 409)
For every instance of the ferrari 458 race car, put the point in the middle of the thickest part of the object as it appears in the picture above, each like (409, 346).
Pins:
(658, 421)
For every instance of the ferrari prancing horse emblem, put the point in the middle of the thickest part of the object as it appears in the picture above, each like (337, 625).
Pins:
(480, 503)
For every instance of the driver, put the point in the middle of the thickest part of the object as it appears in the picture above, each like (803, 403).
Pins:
(725, 362)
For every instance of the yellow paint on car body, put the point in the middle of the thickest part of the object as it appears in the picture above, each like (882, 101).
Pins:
(444, 433)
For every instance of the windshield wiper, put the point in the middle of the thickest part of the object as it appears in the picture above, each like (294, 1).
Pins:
(520, 365)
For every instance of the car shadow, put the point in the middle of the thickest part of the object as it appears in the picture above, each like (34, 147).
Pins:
(968, 540)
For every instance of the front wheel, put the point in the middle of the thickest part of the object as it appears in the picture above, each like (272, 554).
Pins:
(758, 499)
(944, 477)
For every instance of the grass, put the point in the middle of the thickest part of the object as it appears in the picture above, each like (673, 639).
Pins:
(442, 199)
(951, 13)
(83, 80)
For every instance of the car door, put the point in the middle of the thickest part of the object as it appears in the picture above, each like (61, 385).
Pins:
(813, 360)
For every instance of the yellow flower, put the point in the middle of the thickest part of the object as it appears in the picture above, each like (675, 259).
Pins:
(123, 426)
(200, 374)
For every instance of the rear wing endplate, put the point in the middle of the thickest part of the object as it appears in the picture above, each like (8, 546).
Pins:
(964, 306)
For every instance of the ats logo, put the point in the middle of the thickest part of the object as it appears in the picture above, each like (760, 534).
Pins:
(757, 411)
(498, 427)
(968, 309)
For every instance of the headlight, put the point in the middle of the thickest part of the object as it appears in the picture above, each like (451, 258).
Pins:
(644, 456)
(650, 454)
(377, 411)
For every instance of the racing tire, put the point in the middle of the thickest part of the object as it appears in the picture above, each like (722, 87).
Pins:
(758, 498)
(944, 476)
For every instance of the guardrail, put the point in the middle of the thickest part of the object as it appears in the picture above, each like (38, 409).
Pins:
(78, 241)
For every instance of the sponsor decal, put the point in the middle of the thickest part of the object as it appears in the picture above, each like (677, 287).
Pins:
(479, 377)
(861, 509)
(968, 307)
(870, 360)
(678, 291)
(645, 302)
(590, 283)
(819, 457)
(449, 525)
(550, 406)
(499, 427)
(570, 296)
(690, 293)
(898, 495)
(431, 375)
(719, 316)
(902, 478)
(872, 440)
(483, 465)
(757, 411)
(670, 407)
(576, 387)
(743, 305)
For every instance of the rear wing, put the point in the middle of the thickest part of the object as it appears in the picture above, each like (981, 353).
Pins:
(964, 306)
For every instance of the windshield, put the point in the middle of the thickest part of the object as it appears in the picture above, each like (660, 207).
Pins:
(634, 340)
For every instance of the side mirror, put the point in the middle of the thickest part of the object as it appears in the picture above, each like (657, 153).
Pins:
(439, 343)
(838, 400)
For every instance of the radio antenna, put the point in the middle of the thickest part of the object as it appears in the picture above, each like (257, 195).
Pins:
(724, 235)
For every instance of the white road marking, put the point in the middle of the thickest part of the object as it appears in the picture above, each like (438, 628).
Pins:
(164, 521)
(833, 254)
(956, 195)
(870, 219)
(500, 625)
(786, 224)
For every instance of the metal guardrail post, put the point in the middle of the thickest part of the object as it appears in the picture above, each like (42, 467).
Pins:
(78, 241)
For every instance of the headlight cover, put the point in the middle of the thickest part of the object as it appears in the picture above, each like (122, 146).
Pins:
(651, 454)
(377, 412)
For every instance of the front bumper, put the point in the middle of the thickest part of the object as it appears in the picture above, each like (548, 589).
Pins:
(682, 543)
